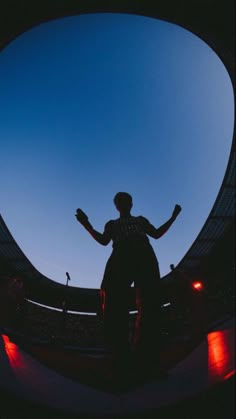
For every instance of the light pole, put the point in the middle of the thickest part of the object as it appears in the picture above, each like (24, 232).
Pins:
(67, 278)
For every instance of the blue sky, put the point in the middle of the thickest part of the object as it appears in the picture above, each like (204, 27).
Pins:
(96, 104)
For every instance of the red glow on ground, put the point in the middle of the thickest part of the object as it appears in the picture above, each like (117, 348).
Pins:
(197, 285)
(12, 352)
(102, 297)
(219, 356)
(229, 375)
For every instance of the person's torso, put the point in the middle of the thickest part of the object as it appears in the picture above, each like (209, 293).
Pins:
(128, 230)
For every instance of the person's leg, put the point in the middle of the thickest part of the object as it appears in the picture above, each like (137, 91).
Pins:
(147, 353)
(147, 326)
(116, 327)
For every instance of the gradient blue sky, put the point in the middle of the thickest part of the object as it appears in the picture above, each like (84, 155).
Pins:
(95, 104)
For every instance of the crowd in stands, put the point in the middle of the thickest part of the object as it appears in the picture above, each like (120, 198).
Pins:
(181, 316)
(66, 328)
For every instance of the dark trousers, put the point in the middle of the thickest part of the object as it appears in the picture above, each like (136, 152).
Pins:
(145, 346)
(132, 262)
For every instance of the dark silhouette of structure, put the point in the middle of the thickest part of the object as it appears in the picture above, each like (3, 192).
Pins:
(189, 301)
(132, 261)
(212, 255)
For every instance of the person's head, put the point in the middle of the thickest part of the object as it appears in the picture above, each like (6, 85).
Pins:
(123, 202)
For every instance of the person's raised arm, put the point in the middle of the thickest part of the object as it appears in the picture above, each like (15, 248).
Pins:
(156, 233)
(103, 239)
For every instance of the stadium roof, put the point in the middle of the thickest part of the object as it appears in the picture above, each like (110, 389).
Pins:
(213, 22)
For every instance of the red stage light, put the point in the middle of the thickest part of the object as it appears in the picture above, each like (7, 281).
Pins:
(197, 285)
(13, 353)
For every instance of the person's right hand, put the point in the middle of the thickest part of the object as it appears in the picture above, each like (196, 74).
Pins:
(81, 217)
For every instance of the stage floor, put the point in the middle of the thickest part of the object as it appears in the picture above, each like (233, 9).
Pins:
(27, 377)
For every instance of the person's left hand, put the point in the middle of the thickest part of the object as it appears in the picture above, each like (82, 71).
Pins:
(176, 211)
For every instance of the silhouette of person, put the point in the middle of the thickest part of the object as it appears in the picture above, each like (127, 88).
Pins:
(132, 260)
